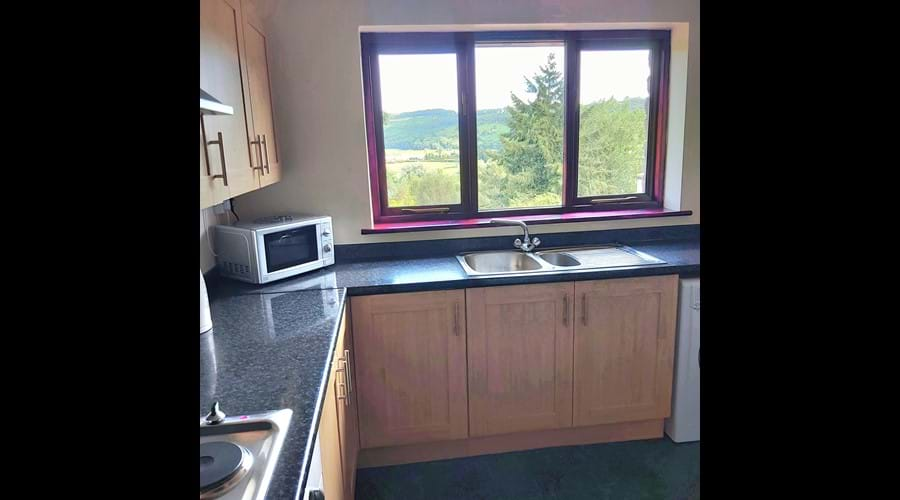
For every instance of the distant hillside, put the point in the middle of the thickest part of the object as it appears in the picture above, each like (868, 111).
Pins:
(437, 128)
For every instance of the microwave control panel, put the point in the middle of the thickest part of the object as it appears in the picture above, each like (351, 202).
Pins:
(327, 244)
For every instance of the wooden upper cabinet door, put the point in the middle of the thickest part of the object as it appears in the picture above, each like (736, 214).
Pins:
(212, 191)
(265, 151)
(520, 357)
(410, 353)
(348, 421)
(624, 345)
(222, 76)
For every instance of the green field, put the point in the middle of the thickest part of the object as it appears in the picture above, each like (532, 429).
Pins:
(414, 180)
(396, 160)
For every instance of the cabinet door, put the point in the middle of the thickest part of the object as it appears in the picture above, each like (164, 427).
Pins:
(520, 357)
(329, 439)
(348, 422)
(221, 75)
(263, 144)
(411, 367)
(624, 345)
(212, 191)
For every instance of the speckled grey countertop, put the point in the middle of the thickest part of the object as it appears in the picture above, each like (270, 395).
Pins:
(269, 352)
(445, 273)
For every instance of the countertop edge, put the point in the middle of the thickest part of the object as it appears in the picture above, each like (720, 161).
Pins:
(489, 281)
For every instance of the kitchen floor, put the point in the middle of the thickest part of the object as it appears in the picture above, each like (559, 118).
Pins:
(656, 469)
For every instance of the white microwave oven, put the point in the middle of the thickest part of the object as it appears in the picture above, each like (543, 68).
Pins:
(274, 248)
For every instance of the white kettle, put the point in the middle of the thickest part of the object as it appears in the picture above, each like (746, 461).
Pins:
(205, 316)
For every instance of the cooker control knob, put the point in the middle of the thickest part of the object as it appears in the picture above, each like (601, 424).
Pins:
(215, 415)
(327, 247)
(326, 233)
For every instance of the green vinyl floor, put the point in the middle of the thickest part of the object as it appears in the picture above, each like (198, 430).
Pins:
(655, 469)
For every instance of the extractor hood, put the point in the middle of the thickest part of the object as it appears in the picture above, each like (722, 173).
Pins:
(209, 105)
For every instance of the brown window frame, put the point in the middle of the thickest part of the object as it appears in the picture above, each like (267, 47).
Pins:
(463, 45)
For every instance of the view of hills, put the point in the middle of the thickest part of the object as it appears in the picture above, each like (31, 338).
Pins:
(437, 129)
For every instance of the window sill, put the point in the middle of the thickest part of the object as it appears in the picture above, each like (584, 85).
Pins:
(437, 225)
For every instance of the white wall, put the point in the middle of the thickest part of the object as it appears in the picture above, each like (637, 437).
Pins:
(317, 92)
(208, 219)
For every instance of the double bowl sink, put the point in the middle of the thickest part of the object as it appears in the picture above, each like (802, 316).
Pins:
(513, 262)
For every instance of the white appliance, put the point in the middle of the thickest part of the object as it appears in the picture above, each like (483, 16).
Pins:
(205, 317)
(684, 424)
(274, 248)
(315, 482)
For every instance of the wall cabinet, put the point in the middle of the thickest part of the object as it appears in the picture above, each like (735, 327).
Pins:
(262, 118)
(624, 345)
(234, 70)
(411, 367)
(519, 357)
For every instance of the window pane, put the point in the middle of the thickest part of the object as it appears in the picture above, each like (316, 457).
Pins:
(612, 137)
(519, 93)
(421, 129)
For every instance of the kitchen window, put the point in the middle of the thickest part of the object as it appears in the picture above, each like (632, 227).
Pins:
(483, 124)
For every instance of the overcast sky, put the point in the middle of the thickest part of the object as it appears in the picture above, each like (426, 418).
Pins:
(428, 81)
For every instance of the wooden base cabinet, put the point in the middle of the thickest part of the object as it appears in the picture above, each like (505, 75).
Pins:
(338, 424)
(330, 440)
(520, 357)
(348, 419)
(411, 367)
(494, 369)
(624, 346)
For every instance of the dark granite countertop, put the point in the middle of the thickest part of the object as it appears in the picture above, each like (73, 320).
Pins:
(445, 273)
(269, 352)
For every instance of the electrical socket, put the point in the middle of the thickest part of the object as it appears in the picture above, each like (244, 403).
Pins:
(222, 208)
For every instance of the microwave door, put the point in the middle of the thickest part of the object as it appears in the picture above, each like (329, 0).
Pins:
(290, 248)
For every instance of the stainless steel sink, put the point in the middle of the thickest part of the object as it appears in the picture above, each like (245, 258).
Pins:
(500, 262)
(559, 259)
(554, 260)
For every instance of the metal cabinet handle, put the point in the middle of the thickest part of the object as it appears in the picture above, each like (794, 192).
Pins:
(266, 148)
(205, 144)
(347, 366)
(257, 143)
(456, 319)
(584, 309)
(566, 309)
(341, 384)
(221, 143)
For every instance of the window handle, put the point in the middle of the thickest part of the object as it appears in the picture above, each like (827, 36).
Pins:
(436, 210)
(604, 200)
